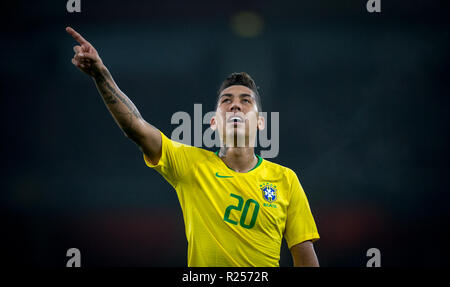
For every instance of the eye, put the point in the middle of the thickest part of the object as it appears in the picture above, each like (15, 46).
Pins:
(225, 100)
(246, 100)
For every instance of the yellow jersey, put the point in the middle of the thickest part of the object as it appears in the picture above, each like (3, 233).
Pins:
(235, 219)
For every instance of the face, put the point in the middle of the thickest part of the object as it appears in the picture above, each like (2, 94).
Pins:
(237, 118)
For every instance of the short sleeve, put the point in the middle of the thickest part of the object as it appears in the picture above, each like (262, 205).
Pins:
(174, 161)
(300, 225)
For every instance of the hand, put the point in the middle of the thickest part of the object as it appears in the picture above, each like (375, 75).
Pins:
(86, 58)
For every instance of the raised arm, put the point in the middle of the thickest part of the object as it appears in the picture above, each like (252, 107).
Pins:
(122, 109)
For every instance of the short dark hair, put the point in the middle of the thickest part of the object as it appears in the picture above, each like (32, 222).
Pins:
(242, 79)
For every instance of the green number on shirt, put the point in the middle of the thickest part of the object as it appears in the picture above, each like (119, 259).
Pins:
(238, 207)
(244, 214)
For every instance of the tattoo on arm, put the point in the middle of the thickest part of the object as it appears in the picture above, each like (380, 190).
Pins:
(121, 107)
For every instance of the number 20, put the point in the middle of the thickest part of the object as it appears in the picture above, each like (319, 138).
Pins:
(244, 212)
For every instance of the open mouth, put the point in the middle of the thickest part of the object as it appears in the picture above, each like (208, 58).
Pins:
(235, 120)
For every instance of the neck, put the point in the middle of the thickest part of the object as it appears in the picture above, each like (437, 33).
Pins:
(240, 159)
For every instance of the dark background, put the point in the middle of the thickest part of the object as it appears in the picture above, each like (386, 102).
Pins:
(364, 110)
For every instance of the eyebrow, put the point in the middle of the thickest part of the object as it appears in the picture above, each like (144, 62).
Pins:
(241, 96)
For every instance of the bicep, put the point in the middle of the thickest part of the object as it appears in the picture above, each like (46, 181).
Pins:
(303, 255)
(149, 140)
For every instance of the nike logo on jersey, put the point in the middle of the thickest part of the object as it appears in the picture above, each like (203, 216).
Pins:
(223, 176)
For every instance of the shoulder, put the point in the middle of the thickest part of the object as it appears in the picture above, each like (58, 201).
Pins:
(189, 150)
(279, 169)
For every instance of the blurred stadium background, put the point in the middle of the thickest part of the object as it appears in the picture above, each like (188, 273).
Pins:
(364, 111)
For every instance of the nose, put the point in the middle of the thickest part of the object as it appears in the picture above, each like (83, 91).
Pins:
(236, 106)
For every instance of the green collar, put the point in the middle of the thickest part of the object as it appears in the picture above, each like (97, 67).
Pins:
(257, 164)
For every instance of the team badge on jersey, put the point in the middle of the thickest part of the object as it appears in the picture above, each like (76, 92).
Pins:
(269, 191)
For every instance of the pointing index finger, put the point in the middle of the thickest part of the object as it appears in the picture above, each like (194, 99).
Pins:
(76, 36)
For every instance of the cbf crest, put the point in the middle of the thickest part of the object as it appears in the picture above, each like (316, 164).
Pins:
(269, 191)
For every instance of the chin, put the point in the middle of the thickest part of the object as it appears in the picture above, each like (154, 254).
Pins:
(239, 136)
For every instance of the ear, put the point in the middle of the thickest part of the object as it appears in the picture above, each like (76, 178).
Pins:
(213, 123)
(261, 123)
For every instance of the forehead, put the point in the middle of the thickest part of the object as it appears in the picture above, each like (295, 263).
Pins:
(238, 90)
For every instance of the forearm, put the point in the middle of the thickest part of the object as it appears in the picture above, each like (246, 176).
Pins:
(303, 255)
(310, 261)
(120, 106)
